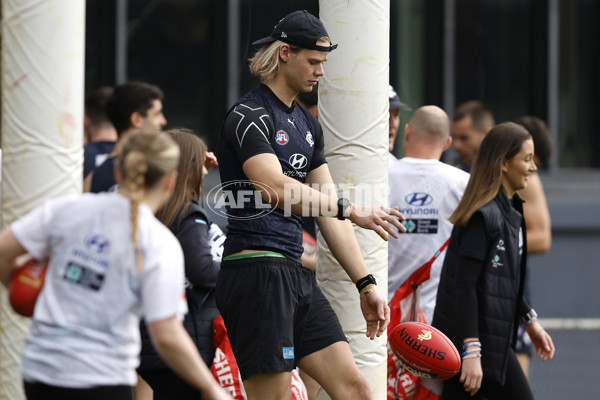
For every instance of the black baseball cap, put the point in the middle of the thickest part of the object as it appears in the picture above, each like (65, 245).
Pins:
(395, 102)
(299, 28)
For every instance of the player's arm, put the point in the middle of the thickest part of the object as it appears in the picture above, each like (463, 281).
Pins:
(285, 192)
(10, 249)
(175, 346)
(342, 243)
(537, 217)
(289, 194)
(247, 129)
(87, 182)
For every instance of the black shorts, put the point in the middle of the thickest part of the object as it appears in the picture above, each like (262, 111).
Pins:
(274, 312)
(42, 391)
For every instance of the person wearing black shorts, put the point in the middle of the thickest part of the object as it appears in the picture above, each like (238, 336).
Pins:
(270, 148)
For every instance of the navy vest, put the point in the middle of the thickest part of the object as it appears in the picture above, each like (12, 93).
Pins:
(499, 289)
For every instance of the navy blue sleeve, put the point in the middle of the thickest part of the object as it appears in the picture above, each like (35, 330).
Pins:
(200, 268)
(474, 241)
(247, 129)
(318, 157)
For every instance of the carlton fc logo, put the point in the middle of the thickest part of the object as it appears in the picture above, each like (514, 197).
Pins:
(309, 138)
(418, 199)
(282, 138)
(298, 161)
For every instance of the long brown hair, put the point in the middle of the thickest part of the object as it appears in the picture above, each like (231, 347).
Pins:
(503, 142)
(145, 158)
(189, 179)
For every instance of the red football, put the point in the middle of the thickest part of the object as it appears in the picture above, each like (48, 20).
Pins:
(25, 286)
(424, 350)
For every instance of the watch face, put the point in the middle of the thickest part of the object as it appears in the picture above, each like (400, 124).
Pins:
(342, 205)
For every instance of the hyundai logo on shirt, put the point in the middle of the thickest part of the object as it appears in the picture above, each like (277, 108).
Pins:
(418, 199)
(298, 161)
(97, 243)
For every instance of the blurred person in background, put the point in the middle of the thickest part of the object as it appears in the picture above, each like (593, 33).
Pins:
(418, 178)
(99, 132)
(471, 121)
(417, 182)
(537, 217)
(133, 105)
(395, 106)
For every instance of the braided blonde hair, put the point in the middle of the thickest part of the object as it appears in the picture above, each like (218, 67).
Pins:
(145, 158)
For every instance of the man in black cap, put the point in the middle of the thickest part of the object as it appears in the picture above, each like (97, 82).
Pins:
(395, 106)
(269, 146)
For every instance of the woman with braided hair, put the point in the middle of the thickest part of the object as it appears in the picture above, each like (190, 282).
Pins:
(111, 262)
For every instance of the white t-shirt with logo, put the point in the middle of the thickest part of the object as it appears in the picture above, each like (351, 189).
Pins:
(427, 193)
(85, 327)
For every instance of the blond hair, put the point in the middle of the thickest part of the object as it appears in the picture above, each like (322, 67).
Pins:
(145, 158)
(265, 63)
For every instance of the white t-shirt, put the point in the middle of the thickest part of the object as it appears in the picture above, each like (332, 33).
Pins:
(427, 192)
(85, 328)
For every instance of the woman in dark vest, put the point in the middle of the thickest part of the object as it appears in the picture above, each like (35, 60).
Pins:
(480, 296)
(201, 242)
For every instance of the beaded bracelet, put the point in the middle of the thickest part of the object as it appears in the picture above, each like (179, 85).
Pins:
(469, 344)
(464, 353)
(472, 356)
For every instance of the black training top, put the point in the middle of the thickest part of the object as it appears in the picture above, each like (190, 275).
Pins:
(103, 179)
(260, 123)
(94, 154)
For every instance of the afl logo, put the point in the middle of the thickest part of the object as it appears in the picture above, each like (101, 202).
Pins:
(282, 138)
(418, 199)
(228, 199)
(298, 161)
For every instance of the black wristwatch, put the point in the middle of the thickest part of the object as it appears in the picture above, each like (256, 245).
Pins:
(342, 205)
(365, 281)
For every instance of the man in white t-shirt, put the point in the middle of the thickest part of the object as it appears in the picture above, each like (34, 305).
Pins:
(427, 192)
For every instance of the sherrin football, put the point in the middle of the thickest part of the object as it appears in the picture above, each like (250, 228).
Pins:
(424, 350)
(25, 285)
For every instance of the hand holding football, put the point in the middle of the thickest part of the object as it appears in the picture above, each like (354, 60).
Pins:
(25, 286)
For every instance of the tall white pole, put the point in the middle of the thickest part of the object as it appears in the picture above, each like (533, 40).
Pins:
(354, 113)
(42, 130)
